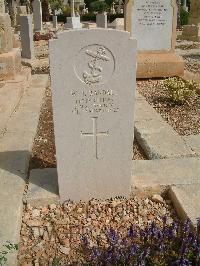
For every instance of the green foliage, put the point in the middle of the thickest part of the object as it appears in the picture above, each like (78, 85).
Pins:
(109, 2)
(180, 90)
(88, 17)
(184, 16)
(112, 17)
(88, 2)
(55, 5)
(56, 262)
(8, 248)
(98, 6)
(66, 11)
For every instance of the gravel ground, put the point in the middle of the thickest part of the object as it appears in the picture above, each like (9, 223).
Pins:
(43, 153)
(185, 118)
(192, 62)
(191, 54)
(187, 45)
(41, 49)
(55, 231)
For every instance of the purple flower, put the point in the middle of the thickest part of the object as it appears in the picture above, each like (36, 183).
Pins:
(112, 236)
(133, 249)
(186, 227)
(131, 232)
(183, 262)
(84, 240)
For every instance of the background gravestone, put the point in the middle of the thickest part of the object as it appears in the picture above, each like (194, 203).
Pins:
(192, 32)
(37, 15)
(55, 22)
(73, 22)
(101, 20)
(10, 59)
(26, 34)
(153, 24)
(93, 86)
(21, 10)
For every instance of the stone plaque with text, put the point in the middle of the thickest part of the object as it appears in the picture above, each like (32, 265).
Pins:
(152, 24)
(93, 86)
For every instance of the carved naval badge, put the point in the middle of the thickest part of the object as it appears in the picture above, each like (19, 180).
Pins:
(94, 64)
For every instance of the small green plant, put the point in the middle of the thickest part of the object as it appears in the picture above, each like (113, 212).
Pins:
(8, 248)
(180, 90)
(56, 262)
(184, 16)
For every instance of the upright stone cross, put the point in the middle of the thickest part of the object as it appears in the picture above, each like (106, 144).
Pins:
(72, 9)
(185, 5)
(73, 22)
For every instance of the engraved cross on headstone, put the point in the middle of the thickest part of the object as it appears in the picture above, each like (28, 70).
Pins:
(95, 134)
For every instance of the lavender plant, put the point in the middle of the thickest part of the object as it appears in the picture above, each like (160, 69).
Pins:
(175, 244)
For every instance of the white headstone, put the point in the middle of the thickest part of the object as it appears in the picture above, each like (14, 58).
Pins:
(37, 15)
(101, 20)
(152, 24)
(93, 86)
(26, 33)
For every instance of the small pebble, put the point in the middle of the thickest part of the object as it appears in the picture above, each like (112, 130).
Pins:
(157, 198)
(64, 250)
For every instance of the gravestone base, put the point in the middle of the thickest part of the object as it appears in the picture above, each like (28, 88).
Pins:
(73, 23)
(191, 33)
(156, 65)
(89, 25)
(10, 64)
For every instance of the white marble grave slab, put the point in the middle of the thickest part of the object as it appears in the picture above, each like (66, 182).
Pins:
(152, 24)
(93, 87)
